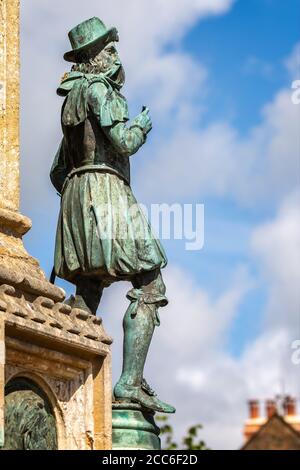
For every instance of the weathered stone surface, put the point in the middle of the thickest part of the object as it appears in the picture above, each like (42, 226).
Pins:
(67, 354)
(30, 284)
(15, 223)
(50, 319)
(9, 104)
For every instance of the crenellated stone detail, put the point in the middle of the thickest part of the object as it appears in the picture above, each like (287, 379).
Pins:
(47, 318)
(66, 352)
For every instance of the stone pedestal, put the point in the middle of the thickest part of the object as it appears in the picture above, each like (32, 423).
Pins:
(65, 353)
(133, 428)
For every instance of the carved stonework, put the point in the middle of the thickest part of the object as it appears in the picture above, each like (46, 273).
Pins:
(66, 353)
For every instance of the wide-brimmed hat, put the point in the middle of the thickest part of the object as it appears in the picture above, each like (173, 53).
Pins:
(86, 35)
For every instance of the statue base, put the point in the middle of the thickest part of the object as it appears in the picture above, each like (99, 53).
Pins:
(133, 427)
(54, 371)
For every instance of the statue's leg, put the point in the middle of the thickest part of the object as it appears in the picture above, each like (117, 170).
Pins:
(88, 294)
(147, 295)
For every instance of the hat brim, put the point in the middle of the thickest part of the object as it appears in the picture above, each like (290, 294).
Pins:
(110, 35)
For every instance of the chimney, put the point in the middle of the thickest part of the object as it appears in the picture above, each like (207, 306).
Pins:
(253, 409)
(289, 406)
(255, 421)
(271, 408)
(290, 412)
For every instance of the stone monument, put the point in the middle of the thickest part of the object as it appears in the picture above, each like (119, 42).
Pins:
(102, 234)
(55, 375)
(55, 358)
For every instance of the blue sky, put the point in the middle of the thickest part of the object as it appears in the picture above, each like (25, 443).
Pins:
(244, 51)
(216, 76)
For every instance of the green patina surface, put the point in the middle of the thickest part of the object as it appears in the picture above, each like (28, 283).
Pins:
(102, 234)
(1, 437)
(29, 419)
(134, 429)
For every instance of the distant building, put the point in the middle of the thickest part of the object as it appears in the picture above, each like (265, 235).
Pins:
(278, 429)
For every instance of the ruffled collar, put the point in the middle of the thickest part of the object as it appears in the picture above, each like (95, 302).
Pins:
(70, 78)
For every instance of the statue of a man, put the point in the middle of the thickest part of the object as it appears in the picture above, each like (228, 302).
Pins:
(91, 171)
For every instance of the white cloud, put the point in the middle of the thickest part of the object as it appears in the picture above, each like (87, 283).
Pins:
(156, 77)
(216, 384)
(215, 160)
(201, 320)
(258, 168)
(192, 335)
(154, 22)
(145, 29)
(189, 366)
(192, 315)
(216, 388)
(276, 245)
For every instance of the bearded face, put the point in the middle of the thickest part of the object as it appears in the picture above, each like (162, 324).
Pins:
(107, 58)
(106, 61)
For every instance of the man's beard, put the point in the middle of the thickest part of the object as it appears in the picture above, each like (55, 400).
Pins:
(119, 76)
(115, 71)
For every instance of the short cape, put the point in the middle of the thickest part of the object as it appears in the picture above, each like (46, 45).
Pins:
(77, 87)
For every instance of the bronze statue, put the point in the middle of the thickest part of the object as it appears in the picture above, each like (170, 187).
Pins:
(91, 171)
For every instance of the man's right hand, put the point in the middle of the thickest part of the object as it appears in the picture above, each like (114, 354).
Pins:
(143, 120)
